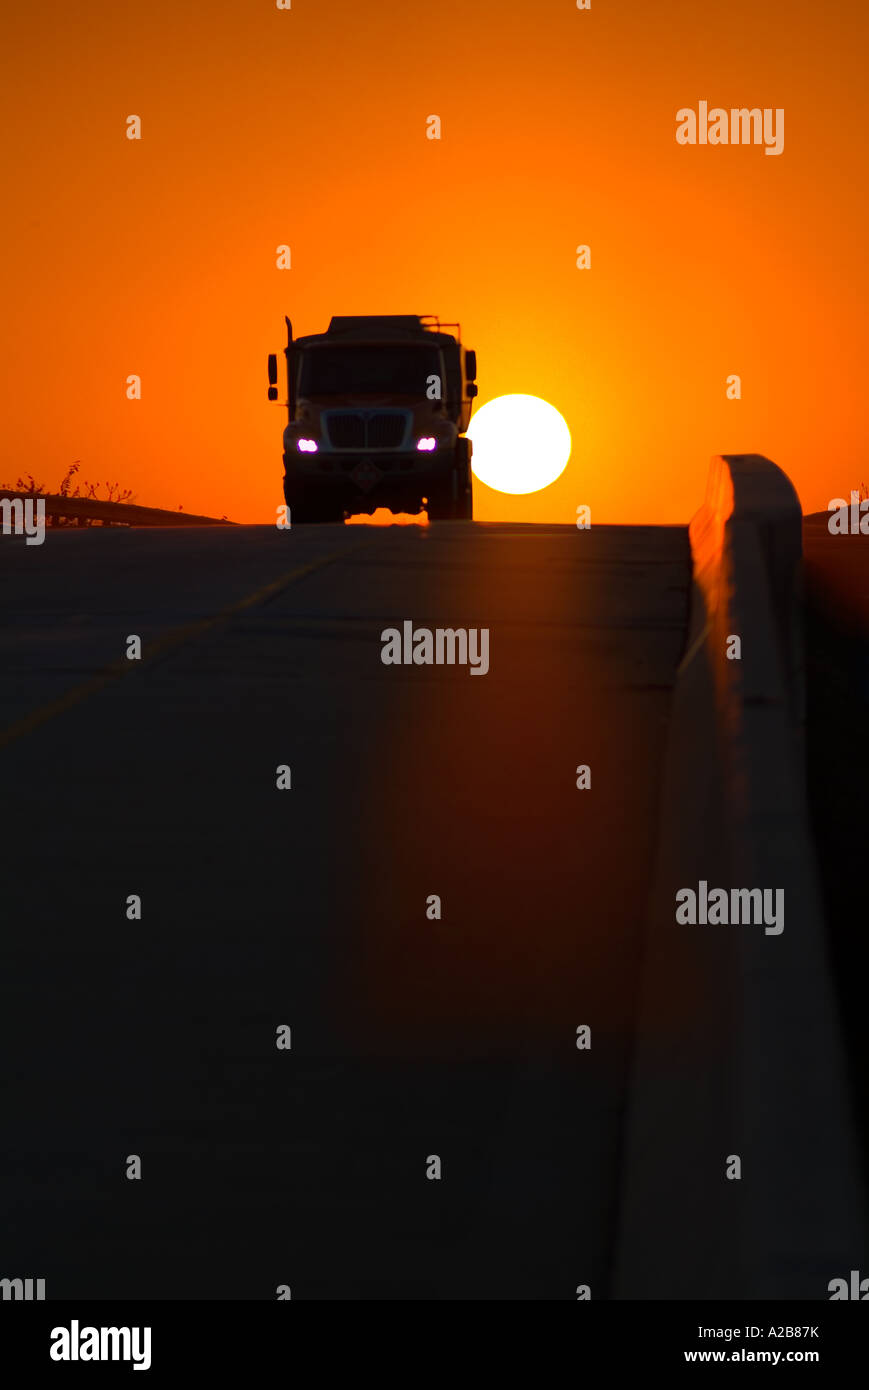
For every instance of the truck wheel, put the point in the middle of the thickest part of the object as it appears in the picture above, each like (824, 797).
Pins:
(306, 507)
(439, 503)
(453, 499)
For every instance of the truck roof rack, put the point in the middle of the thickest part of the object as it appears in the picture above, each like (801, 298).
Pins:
(362, 325)
(438, 327)
(396, 325)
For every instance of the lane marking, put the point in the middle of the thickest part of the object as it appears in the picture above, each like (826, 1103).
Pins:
(175, 638)
(693, 649)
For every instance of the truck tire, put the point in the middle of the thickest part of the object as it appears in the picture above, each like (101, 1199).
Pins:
(465, 490)
(307, 506)
(453, 499)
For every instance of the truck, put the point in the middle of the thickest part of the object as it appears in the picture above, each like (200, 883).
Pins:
(378, 406)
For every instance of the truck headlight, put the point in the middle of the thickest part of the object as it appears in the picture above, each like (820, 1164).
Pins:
(426, 444)
(307, 446)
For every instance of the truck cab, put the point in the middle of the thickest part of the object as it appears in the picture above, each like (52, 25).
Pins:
(378, 409)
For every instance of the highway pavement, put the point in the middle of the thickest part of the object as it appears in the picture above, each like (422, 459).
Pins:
(413, 1036)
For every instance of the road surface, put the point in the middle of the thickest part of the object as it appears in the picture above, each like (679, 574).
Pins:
(411, 1037)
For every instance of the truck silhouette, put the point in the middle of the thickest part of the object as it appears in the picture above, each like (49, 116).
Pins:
(378, 410)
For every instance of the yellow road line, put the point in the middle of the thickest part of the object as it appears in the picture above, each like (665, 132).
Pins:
(176, 638)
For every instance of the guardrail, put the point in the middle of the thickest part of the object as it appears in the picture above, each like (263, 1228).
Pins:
(738, 1052)
(89, 509)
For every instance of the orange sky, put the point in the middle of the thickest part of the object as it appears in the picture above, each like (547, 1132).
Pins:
(307, 127)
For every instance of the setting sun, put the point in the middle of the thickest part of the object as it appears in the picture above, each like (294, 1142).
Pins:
(521, 443)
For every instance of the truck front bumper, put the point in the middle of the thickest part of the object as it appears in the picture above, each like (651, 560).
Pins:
(361, 474)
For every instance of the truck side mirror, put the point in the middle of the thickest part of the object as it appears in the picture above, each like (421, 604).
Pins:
(472, 391)
(273, 393)
(471, 365)
(273, 369)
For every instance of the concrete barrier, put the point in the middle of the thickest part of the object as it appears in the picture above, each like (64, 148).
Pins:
(738, 1053)
(89, 509)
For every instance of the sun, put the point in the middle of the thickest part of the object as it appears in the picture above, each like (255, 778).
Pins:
(521, 444)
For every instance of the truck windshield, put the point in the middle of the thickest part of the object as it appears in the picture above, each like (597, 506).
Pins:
(342, 371)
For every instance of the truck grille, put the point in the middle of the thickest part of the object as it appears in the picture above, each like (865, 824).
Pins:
(346, 431)
(385, 431)
(382, 429)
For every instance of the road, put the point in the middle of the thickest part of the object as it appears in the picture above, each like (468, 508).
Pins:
(307, 907)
